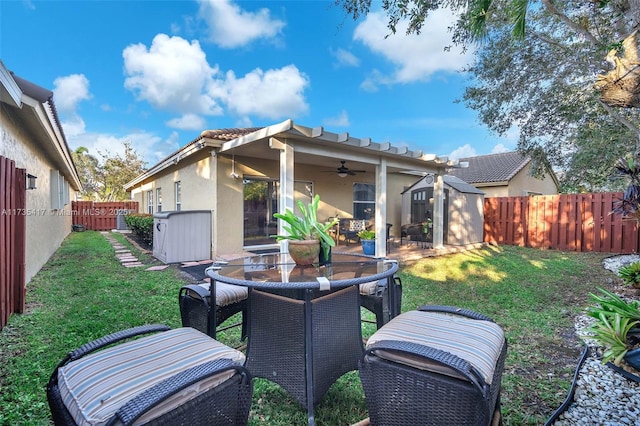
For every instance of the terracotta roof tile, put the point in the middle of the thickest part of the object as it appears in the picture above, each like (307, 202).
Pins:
(491, 168)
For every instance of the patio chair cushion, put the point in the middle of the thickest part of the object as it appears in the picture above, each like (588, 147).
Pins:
(357, 225)
(226, 294)
(95, 386)
(371, 288)
(476, 341)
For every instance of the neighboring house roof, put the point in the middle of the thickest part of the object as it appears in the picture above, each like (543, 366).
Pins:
(313, 144)
(454, 182)
(491, 168)
(33, 106)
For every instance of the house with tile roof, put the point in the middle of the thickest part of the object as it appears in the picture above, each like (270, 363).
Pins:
(244, 176)
(506, 174)
(38, 180)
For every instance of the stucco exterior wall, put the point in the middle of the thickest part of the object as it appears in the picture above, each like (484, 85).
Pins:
(521, 184)
(207, 184)
(525, 184)
(45, 228)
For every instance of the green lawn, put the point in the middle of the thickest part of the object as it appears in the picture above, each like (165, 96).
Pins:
(83, 292)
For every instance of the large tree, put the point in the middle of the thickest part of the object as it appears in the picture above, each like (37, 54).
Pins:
(103, 179)
(540, 66)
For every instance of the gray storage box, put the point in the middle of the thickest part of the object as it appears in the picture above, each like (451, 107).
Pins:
(182, 236)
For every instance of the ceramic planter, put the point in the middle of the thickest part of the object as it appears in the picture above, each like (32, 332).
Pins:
(304, 252)
(368, 247)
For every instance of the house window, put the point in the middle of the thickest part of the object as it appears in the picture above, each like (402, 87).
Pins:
(150, 202)
(364, 201)
(159, 199)
(178, 196)
(57, 188)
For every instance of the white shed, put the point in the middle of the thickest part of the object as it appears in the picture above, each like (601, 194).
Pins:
(463, 204)
(180, 236)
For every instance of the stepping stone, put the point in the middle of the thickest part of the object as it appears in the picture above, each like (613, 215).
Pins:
(120, 251)
(205, 262)
(119, 247)
(158, 268)
(187, 264)
(132, 265)
(129, 259)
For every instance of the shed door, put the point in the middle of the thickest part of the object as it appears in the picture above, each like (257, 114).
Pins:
(422, 207)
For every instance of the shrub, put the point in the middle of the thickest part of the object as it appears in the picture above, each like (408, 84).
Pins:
(141, 224)
(630, 274)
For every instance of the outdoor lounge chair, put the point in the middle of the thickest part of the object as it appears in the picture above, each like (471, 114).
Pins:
(195, 303)
(178, 376)
(374, 296)
(438, 365)
(349, 228)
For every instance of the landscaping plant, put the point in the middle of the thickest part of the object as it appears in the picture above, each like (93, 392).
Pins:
(630, 274)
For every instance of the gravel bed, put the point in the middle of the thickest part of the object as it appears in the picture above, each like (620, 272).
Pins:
(602, 395)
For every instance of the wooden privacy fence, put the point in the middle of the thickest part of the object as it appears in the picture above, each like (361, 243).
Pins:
(572, 222)
(12, 239)
(100, 216)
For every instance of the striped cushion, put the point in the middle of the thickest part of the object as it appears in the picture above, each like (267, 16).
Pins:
(369, 289)
(477, 342)
(95, 386)
(226, 294)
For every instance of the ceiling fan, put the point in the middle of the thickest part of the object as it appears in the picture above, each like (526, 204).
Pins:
(344, 171)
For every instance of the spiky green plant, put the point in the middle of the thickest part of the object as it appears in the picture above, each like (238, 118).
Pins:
(611, 332)
(630, 274)
(611, 304)
(307, 226)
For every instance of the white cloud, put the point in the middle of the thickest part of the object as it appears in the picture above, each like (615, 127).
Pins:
(230, 26)
(415, 57)
(73, 125)
(69, 91)
(187, 122)
(342, 120)
(345, 58)
(171, 75)
(269, 94)
(463, 152)
(499, 148)
(174, 75)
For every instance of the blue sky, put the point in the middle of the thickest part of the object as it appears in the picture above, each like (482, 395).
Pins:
(157, 73)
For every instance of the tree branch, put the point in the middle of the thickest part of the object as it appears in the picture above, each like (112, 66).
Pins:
(564, 18)
(625, 121)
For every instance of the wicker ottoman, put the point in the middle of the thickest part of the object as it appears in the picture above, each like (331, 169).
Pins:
(438, 365)
(167, 377)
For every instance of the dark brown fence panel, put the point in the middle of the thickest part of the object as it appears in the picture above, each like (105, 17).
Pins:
(12, 239)
(571, 222)
(100, 216)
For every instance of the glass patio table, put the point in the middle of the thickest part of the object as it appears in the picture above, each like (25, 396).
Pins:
(304, 328)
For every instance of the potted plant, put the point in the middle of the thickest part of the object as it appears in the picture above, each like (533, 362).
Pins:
(306, 235)
(616, 328)
(368, 241)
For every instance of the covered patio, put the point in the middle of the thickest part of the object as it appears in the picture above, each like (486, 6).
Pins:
(289, 162)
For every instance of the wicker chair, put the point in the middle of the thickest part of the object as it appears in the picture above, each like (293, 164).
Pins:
(178, 376)
(374, 297)
(439, 365)
(195, 303)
